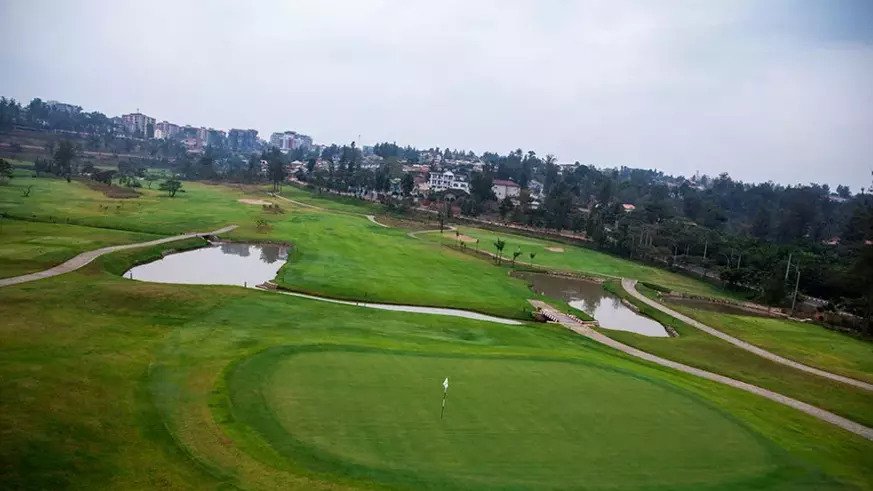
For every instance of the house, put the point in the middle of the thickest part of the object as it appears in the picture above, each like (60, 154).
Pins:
(442, 181)
(505, 189)
(627, 207)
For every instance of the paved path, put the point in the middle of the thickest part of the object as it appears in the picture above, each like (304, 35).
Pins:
(414, 235)
(415, 309)
(307, 205)
(579, 328)
(85, 258)
(630, 287)
(372, 218)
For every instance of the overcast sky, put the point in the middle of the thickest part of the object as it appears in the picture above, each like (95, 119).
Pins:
(770, 90)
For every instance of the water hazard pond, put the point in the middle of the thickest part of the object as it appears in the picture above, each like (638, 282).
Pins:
(237, 264)
(224, 263)
(591, 298)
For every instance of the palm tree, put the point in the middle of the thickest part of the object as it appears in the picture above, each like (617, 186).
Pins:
(499, 245)
(515, 255)
(532, 256)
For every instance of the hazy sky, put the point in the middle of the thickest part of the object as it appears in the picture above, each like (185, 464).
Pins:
(765, 90)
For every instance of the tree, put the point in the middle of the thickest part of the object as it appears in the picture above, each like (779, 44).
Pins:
(515, 255)
(5, 170)
(407, 184)
(481, 185)
(275, 167)
(499, 245)
(532, 255)
(171, 186)
(506, 207)
(150, 177)
(64, 156)
(774, 289)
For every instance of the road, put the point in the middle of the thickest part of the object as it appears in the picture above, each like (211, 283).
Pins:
(579, 328)
(630, 287)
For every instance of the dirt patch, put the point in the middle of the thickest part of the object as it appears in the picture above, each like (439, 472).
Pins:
(109, 191)
(258, 202)
(555, 249)
(466, 238)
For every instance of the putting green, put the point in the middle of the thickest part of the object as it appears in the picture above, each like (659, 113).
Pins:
(509, 422)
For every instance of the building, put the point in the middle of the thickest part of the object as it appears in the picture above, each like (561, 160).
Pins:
(627, 207)
(62, 106)
(138, 124)
(443, 181)
(290, 140)
(165, 130)
(243, 141)
(505, 189)
(215, 138)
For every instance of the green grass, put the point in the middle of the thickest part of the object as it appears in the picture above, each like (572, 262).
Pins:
(349, 257)
(384, 421)
(581, 259)
(699, 349)
(137, 385)
(202, 208)
(332, 202)
(26, 247)
(803, 342)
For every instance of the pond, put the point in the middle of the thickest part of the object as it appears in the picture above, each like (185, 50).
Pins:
(224, 263)
(591, 298)
(249, 265)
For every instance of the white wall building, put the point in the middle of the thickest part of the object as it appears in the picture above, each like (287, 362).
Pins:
(443, 181)
(290, 140)
(503, 189)
(138, 123)
(165, 129)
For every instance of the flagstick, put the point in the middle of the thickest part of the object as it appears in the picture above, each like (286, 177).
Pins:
(445, 393)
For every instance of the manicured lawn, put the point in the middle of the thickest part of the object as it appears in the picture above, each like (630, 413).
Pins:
(331, 201)
(109, 382)
(573, 258)
(540, 422)
(349, 257)
(803, 342)
(699, 349)
(26, 247)
(202, 208)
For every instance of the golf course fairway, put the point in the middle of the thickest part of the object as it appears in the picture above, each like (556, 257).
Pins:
(111, 382)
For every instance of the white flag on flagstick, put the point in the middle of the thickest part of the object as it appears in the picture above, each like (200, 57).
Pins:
(446, 384)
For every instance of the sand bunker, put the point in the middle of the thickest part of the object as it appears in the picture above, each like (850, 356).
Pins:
(466, 238)
(555, 249)
(258, 202)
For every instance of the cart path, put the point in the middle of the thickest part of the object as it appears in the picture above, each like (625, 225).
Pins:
(579, 328)
(414, 235)
(630, 287)
(299, 203)
(415, 309)
(372, 218)
(85, 258)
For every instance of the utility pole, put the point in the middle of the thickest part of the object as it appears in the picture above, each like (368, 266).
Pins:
(796, 285)
(789, 265)
(705, 247)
